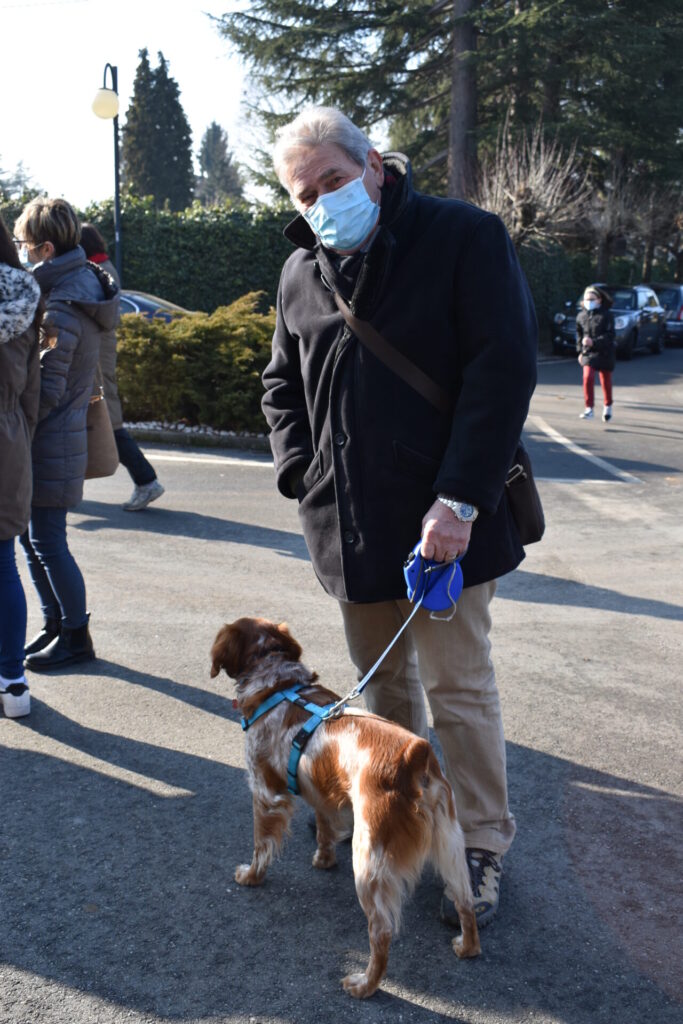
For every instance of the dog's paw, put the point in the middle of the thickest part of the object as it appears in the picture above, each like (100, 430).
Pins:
(324, 859)
(357, 986)
(463, 951)
(245, 875)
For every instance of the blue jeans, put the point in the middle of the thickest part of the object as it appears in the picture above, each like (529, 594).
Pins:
(130, 456)
(12, 614)
(53, 568)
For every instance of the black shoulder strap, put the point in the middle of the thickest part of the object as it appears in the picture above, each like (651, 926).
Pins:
(396, 361)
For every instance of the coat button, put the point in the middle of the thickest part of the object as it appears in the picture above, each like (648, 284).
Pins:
(349, 536)
(340, 439)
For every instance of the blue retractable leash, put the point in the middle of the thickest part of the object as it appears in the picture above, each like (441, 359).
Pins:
(435, 586)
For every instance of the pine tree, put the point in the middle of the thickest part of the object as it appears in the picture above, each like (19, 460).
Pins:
(176, 174)
(219, 177)
(157, 142)
(139, 163)
(441, 76)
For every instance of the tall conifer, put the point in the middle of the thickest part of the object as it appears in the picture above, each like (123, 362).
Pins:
(219, 177)
(157, 142)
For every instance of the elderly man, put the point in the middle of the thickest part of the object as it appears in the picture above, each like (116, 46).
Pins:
(375, 465)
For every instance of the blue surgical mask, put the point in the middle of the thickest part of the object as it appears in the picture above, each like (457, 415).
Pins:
(591, 303)
(343, 219)
(23, 257)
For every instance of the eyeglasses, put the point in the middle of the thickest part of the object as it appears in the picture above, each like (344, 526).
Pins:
(24, 241)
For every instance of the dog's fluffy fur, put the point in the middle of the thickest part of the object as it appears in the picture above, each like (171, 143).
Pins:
(357, 768)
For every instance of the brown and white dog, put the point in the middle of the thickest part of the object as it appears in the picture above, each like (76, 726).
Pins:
(358, 769)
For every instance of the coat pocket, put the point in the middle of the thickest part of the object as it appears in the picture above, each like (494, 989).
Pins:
(313, 473)
(415, 464)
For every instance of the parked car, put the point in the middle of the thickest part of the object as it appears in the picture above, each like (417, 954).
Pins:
(671, 298)
(149, 306)
(638, 320)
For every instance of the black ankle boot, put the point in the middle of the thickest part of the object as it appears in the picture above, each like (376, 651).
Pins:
(69, 648)
(47, 634)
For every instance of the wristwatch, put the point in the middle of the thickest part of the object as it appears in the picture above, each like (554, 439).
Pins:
(462, 510)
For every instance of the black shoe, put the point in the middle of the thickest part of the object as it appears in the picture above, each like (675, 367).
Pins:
(69, 648)
(47, 634)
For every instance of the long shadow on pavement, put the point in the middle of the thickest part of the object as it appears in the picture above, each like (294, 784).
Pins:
(537, 588)
(118, 892)
(188, 524)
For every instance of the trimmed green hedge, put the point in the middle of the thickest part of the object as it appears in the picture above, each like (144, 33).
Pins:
(202, 369)
(199, 258)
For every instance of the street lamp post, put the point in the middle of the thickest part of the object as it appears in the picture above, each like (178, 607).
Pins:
(106, 105)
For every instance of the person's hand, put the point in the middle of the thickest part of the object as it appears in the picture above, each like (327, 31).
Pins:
(587, 342)
(444, 537)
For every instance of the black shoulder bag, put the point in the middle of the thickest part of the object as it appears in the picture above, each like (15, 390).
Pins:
(520, 486)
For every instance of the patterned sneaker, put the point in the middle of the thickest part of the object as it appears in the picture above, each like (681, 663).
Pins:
(485, 871)
(143, 495)
(607, 414)
(16, 700)
(587, 414)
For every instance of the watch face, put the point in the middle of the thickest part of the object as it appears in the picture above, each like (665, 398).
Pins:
(466, 511)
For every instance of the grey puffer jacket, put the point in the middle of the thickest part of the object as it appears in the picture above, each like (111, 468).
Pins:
(19, 395)
(81, 302)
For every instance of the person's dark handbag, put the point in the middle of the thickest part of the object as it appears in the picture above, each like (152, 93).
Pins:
(524, 499)
(103, 456)
(520, 486)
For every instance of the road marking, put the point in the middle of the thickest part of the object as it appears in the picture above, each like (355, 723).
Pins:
(575, 480)
(214, 460)
(621, 474)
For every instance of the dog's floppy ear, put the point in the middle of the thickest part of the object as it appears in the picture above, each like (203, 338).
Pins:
(228, 650)
(290, 646)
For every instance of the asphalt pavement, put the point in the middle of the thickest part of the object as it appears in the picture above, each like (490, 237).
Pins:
(125, 806)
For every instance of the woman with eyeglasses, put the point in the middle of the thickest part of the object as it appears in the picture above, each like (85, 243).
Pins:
(81, 301)
(20, 313)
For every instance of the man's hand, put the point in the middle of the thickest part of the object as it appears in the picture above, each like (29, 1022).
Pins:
(587, 342)
(444, 537)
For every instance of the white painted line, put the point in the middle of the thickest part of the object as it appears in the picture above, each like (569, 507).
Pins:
(583, 452)
(214, 460)
(576, 480)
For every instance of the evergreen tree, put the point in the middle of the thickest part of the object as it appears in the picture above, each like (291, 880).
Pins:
(157, 142)
(219, 177)
(441, 76)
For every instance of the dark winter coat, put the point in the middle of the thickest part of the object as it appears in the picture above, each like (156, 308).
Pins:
(108, 359)
(81, 302)
(598, 325)
(442, 283)
(19, 396)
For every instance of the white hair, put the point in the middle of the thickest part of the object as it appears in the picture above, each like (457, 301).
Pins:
(318, 126)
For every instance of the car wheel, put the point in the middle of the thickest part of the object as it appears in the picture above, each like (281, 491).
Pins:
(626, 351)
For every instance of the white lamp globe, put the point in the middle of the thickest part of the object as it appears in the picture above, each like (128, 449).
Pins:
(106, 103)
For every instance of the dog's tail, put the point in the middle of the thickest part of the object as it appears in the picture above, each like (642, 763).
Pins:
(448, 856)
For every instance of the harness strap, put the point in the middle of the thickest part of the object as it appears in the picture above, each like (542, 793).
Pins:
(304, 734)
(299, 745)
(271, 702)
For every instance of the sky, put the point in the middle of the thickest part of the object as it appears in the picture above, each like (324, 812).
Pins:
(53, 57)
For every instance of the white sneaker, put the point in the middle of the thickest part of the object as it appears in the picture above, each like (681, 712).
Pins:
(587, 414)
(16, 700)
(607, 414)
(143, 495)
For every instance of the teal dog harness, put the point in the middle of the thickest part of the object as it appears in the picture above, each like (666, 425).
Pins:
(317, 715)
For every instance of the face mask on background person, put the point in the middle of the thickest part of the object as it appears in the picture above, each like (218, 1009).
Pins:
(23, 248)
(591, 303)
(343, 219)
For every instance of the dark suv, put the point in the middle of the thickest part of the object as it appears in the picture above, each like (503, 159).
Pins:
(671, 297)
(638, 320)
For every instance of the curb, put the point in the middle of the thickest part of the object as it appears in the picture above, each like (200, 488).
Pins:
(188, 439)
